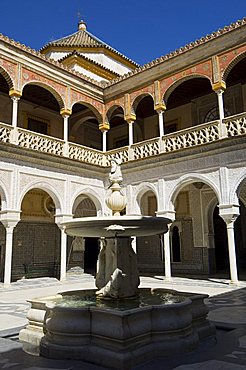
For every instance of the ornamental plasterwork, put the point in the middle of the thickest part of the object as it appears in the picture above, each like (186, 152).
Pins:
(31, 76)
(78, 97)
(28, 182)
(227, 60)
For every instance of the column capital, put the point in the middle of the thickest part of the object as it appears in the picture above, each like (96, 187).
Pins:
(167, 214)
(9, 218)
(219, 86)
(130, 118)
(65, 112)
(160, 107)
(104, 126)
(59, 219)
(229, 212)
(15, 93)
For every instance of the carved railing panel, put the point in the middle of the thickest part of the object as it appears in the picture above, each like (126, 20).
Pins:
(146, 148)
(119, 154)
(84, 154)
(5, 131)
(193, 136)
(235, 125)
(42, 143)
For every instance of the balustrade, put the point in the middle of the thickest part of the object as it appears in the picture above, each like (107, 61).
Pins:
(42, 143)
(190, 137)
(85, 154)
(236, 125)
(5, 131)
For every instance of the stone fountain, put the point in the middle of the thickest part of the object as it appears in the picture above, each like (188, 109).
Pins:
(118, 325)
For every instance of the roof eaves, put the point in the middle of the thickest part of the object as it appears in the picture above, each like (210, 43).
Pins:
(179, 51)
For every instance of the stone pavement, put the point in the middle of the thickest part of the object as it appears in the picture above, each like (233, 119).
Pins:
(226, 302)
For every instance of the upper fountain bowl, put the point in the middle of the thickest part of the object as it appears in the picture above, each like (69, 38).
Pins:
(109, 226)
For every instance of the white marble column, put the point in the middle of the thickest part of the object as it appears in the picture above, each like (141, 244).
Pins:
(8, 255)
(219, 89)
(167, 255)
(15, 100)
(232, 251)
(104, 140)
(161, 122)
(63, 266)
(130, 132)
(220, 104)
(229, 215)
(65, 113)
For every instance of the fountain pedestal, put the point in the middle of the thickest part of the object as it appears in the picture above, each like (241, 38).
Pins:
(117, 274)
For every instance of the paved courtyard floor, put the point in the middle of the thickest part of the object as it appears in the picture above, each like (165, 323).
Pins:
(226, 302)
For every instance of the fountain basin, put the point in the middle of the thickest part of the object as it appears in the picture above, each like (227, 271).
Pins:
(97, 227)
(118, 339)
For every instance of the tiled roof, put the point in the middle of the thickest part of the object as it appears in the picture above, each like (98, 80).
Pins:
(83, 38)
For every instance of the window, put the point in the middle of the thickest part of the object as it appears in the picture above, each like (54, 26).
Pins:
(37, 126)
(213, 114)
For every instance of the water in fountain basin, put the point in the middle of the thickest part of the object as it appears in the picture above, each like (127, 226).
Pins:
(145, 298)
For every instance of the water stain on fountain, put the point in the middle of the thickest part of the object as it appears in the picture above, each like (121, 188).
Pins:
(119, 325)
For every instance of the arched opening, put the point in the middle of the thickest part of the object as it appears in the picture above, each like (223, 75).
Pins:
(2, 246)
(175, 244)
(220, 243)
(149, 253)
(236, 88)
(188, 104)
(192, 250)
(83, 127)
(39, 111)
(5, 101)
(118, 134)
(83, 252)
(146, 125)
(36, 241)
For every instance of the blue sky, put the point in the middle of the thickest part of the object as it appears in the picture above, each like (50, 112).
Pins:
(142, 30)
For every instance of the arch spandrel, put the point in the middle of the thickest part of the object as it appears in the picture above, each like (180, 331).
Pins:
(238, 185)
(232, 64)
(7, 76)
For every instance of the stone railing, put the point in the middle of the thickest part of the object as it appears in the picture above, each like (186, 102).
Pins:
(179, 140)
(121, 153)
(235, 125)
(146, 148)
(42, 143)
(5, 132)
(193, 136)
(85, 154)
